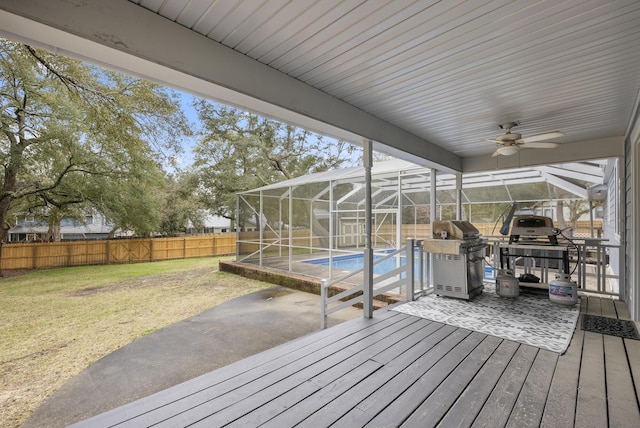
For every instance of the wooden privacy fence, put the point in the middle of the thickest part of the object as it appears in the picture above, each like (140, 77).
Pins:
(78, 253)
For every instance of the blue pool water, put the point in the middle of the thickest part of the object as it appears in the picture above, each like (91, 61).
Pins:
(356, 261)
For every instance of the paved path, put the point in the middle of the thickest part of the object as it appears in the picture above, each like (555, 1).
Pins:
(217, 337)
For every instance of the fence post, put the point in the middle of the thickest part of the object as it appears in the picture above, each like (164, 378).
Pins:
(68, 254)
(323, 303)
(151, 249)
(34, 255)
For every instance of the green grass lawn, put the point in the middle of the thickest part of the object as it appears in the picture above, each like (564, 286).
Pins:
(55, 322)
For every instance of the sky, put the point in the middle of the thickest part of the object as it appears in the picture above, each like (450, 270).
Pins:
(186, 158)
(186, 101)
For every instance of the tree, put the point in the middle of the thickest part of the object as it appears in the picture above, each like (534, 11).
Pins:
(74, 136)
(181, 205)
(577, 208)
(240, 151)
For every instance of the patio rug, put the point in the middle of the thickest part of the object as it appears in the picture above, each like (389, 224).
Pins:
(610, 326)
(530, 319)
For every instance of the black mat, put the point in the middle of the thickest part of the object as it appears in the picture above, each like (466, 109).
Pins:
(610, 326)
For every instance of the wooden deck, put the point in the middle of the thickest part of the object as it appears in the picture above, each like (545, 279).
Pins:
(399, 370)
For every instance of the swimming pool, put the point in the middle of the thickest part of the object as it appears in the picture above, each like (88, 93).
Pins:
(353, 262)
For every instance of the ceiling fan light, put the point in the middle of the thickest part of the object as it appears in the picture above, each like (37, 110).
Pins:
(508, 150)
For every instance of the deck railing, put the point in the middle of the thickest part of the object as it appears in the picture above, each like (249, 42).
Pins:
(591, 259)
(407, 280)
(593, 265)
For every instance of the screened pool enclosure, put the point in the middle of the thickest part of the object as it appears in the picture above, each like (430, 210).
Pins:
(315, 224)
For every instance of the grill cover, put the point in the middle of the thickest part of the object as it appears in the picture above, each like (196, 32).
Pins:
(454, 229)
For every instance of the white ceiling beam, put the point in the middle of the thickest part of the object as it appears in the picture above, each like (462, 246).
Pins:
(595, 167)
(563, 184)
(125, 36)
(570, 173)
(356, 188)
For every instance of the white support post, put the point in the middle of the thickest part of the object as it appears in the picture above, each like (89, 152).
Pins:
(399, 214)
(291, 229)
(410, 280)
(368, 250)
(332, 229)
(323, 303)
(432, 195)
(432, 209)
(237, 227)
(459, 197)
(280, 229)
(419, 244)
(259, 222)
(311, 227)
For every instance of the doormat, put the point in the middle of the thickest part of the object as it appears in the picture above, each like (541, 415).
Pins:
(530, 319)
(611, 326)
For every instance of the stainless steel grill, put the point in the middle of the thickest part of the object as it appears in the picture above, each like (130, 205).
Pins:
(458, 258)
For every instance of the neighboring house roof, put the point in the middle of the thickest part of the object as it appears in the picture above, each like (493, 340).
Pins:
(214, 221)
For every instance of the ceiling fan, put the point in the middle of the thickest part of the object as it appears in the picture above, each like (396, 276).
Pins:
(510, 143)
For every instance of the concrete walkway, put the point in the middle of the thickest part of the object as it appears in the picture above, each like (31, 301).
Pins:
(210, 340)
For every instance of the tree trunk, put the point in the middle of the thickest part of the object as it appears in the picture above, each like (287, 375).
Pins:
(8, 188)
(53, 233)
(562, 224)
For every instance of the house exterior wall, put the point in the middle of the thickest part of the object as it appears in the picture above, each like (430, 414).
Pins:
(632, 219)
(613, 220)
(28, 228)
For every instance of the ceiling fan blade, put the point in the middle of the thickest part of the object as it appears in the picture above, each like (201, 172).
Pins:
(494, 154)
(540, 145)
(489, 140)
(541, 137)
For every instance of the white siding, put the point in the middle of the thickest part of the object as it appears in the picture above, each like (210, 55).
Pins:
(632, 219)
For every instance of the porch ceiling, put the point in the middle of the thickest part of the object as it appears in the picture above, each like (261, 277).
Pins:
(428, 79)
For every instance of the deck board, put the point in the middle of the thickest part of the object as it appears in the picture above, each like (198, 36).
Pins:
(608, 308)
(527, 411)
(622, 310)
(498, 406)
(429, 413)
(400, 382)
(632, 348)
(561, 403)
(251, 395)
(408, 401)
(465, 409)
(339, 408)
(591, 407)
(621, 399)
(594, 306)
(399, 369)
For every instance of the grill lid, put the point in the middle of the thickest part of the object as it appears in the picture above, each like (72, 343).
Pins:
(454, 229)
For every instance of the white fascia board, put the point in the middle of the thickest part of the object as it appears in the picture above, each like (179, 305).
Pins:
(122, 35)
